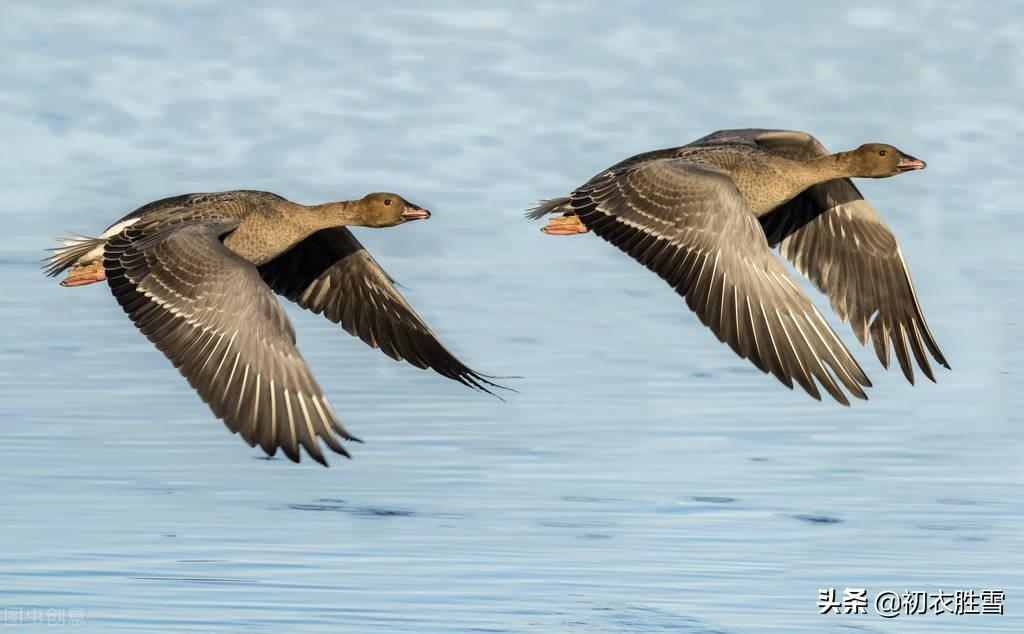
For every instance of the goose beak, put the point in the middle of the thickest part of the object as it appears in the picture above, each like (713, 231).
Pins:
(909, 163)
(415, 212)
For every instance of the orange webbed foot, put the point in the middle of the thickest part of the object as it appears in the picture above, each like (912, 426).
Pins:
(566, 225)
(88, 274)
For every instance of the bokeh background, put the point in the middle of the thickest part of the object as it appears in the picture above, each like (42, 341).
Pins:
(643, 478)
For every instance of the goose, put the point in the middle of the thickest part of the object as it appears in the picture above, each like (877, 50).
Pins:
(197, 275)
(705, 218)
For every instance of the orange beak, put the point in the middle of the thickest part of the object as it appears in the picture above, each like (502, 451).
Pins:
(415, 212)
(909, 163)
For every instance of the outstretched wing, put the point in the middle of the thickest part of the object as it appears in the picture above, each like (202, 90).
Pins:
(836, 239)
(331, 273)
(209, 311)
(689, 224)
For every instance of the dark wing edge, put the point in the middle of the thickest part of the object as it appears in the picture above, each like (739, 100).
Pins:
(331, 273)
(210, 313)
(851, 255)
(689, 224)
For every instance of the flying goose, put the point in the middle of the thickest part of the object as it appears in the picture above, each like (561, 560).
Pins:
(706, 216)
(197, 275)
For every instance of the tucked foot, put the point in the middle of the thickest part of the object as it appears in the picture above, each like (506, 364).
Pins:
(88, 274)
(565, 226)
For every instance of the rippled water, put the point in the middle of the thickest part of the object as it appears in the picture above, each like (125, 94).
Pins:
(644, 479)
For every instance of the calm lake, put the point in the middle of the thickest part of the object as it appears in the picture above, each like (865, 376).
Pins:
(644, 478)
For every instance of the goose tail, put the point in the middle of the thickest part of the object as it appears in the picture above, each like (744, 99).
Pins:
(77, 250)
(549, 206)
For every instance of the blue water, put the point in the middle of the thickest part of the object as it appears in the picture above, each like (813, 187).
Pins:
(644, 479)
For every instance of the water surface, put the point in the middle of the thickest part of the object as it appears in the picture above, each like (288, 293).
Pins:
(644, 479)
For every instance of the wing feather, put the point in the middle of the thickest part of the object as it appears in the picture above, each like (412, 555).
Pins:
(331, 273)
(209, 311)
(689, 224)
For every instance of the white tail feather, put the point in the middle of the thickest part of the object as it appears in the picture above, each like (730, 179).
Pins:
(76, 250)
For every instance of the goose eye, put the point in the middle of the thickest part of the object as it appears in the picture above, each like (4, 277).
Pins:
(881, 152)
(387, 201)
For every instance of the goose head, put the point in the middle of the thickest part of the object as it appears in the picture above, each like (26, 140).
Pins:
(881, 160)
(383, 209)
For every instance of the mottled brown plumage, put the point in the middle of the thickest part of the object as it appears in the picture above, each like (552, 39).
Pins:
(197, 275)
(704, 217)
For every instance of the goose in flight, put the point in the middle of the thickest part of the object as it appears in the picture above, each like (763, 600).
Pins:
(197, 275)
(705, 217)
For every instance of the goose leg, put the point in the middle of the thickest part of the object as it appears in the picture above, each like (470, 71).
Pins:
(87, 274)
(565, 226)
